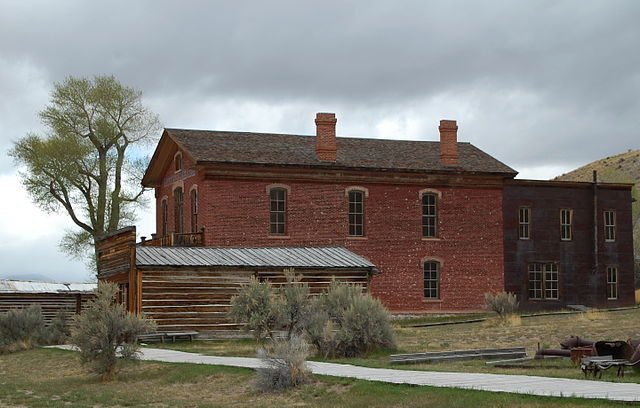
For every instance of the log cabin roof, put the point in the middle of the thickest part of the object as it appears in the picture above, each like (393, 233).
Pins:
(211, 146)
(278, 257)
(28, 286)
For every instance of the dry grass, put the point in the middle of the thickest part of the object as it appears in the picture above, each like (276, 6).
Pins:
(54, 378)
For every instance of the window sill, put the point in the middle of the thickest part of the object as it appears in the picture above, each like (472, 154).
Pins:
(426, 300)
(431, 239)
(280, 236)
(356, 237)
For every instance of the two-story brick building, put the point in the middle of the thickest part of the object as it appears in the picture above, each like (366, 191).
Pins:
(443, 221)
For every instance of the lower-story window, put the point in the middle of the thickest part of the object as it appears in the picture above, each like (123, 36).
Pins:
(543, 280)
(432, 280)
(612, 282)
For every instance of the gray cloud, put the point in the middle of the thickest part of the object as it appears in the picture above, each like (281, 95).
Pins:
(538, 84)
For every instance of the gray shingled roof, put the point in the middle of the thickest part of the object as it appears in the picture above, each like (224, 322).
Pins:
(279, 257)
(295, 150)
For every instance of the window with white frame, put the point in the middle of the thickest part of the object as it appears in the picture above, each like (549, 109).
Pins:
(609, 226)
(278, 211)
(524, 222)
(432, 280)
(356, 213)
(612, 282)
(566, 224)
(429, 215)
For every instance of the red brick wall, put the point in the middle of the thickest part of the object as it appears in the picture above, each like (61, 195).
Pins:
(470, 244)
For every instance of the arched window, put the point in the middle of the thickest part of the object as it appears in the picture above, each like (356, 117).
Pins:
(178, 161)
(430, 215)
(278, 211)
(356, 213)
(165, 217)
(179, 200)
(431, 280)
(194, 210)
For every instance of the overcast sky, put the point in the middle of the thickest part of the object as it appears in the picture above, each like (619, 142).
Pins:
(544, 86)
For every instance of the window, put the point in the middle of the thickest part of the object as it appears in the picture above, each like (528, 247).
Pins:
(429, 216)
(165, 217)
(543, 280)
(609, 226)
(278, 211)
(566, 221)
(178, 196)
(123, 294)
(178, 160)
(432, 280)
(612, 282)
(524, 217)
(356, 213)
(194, 210)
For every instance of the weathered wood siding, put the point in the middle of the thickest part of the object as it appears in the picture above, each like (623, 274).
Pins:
(115, 251)
(50, 303)
(199, 298)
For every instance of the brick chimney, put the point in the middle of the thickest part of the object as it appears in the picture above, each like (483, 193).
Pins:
(448, 142)
(326, 146)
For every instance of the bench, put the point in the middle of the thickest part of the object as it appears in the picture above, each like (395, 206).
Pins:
(460, 355)
(165, 335)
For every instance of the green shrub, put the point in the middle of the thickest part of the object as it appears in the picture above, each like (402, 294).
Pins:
(58, 331)
(21, 329)
(284, 364)
(105, 328)
(503, 303)
(256, 305)
(348, 322)
(294, 304)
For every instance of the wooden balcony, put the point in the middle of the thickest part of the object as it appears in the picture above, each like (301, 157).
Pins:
(186, 239)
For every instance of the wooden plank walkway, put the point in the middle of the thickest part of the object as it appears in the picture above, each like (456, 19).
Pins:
(518, 384)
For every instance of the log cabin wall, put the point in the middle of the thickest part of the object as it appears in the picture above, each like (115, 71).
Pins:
(116, 259)
(198, 298)
(50, 303)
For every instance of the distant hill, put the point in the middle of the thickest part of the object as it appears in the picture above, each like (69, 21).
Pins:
(622, 168)
(27, 276)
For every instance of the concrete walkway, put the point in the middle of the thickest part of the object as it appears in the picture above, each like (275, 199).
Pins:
(518, 384)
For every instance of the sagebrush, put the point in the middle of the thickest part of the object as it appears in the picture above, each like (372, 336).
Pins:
(105, 330)
(284, 364)
(346, 321)
(503, 303)
(21, 329)
(342, 321)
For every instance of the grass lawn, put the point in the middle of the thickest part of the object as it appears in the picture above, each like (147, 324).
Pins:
(54, 378)
(548, 331)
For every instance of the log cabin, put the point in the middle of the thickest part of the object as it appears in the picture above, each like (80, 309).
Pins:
(183, 287)
(53, 298)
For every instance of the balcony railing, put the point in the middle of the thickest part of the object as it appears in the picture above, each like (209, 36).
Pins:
(187, 239)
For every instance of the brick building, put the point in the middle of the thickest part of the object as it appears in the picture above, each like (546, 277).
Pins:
(439, 220)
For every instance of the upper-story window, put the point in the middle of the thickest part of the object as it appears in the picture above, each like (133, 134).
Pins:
(179, 201)
(178, 161)
(194, 210)
(429, 215)
(431, 270)
(524, 222)
(609, 226)
(278, 211)
(356, 213)
(164, 211)
(566, 224)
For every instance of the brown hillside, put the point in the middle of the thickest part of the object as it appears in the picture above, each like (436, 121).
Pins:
(622, 168)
